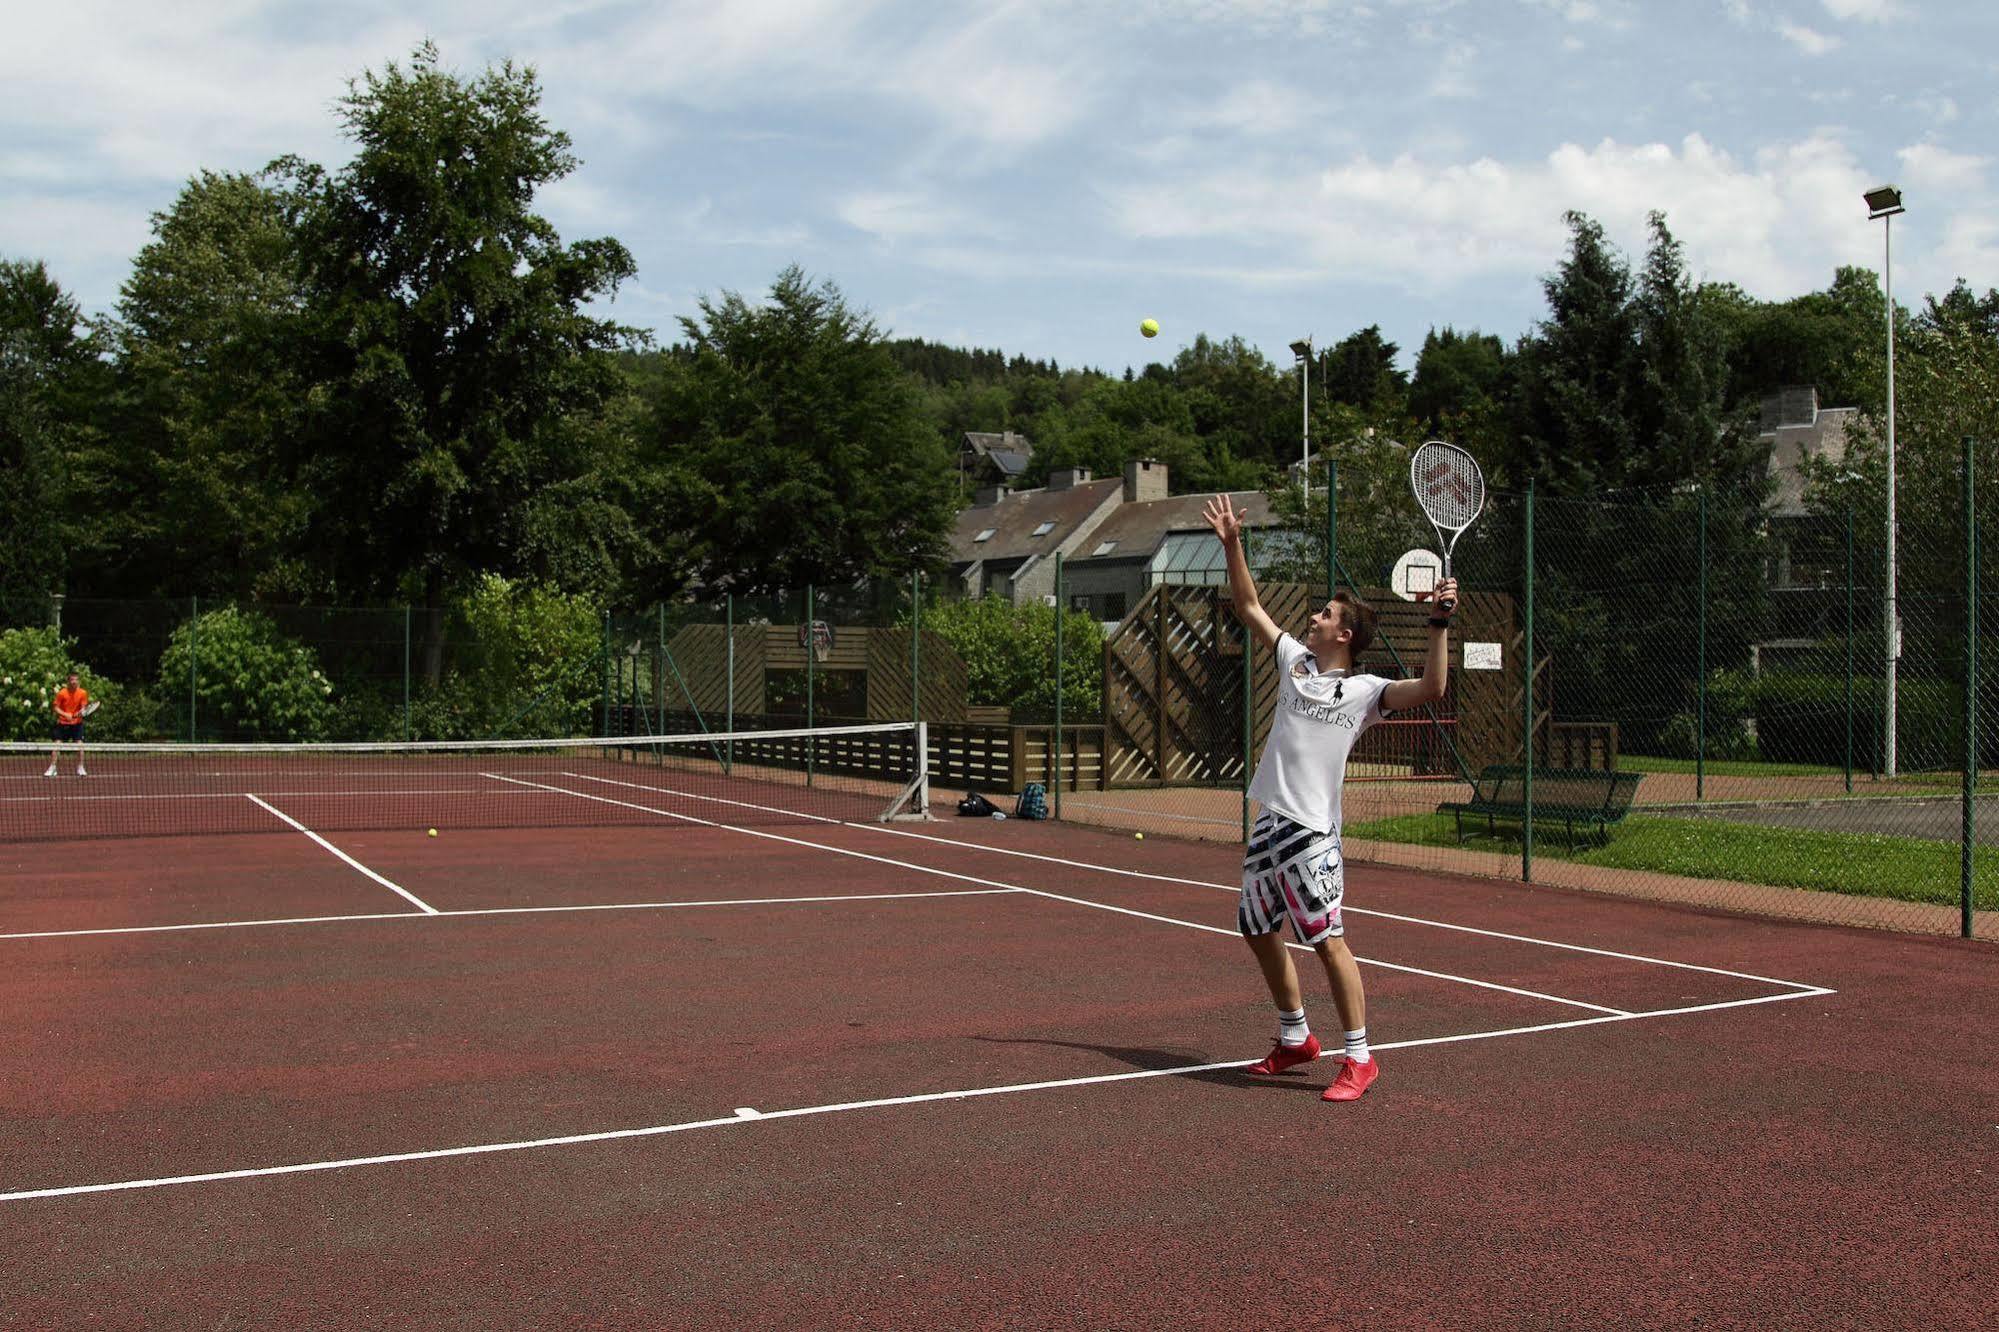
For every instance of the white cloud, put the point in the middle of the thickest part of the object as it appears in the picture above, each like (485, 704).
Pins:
(1260, 107)
(1929, 166)
(1866, 11)
(1737, 11)
(1775, 225)
(1805, 39)
(894, 216)
(1453, 76)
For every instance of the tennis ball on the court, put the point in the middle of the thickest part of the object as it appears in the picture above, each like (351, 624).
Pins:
(1150, 328)
(433, 832)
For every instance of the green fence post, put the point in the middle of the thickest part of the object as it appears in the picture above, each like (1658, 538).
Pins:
(811, 646)
(1849, 648)
(604, 725)
(1332, 527)
(1527, 705)
(1700, 667)
(1248, 718)
(1966, 861)
(193, 656)
(729, 655)
(408, 731)
(1060, 615)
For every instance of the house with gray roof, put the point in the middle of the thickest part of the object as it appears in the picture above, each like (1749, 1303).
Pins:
(1149, 539)
(1117, 539)
(989, 459)
(1005, 543)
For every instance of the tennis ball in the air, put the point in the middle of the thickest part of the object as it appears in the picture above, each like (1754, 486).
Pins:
(1150, 328)
(433, 832)
(1138, 837)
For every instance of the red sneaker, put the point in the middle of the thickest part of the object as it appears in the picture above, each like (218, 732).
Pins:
(1353, 1080)
(1284, 1056)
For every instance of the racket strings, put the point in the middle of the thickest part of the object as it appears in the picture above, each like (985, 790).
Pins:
(1448, 484)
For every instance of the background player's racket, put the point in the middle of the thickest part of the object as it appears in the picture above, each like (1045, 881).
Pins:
(89, 708)
(1451, 490)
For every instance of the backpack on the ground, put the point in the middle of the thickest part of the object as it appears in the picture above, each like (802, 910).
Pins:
(1033, 802)
(976, 806)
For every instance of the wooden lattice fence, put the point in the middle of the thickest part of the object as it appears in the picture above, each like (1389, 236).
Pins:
(1173, 687)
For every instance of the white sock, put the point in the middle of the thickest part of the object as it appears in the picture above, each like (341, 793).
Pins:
(1292, 1028)
(1357, 1046)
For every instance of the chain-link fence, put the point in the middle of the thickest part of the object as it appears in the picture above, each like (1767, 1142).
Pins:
(1679, 695)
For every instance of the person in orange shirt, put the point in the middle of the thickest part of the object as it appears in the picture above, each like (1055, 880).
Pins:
(70, 702)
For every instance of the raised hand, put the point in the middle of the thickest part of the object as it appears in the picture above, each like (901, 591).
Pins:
(1225, 518)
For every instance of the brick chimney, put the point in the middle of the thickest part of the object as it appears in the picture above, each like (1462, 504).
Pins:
(1067, 478)
(987, 496)
(1144, 479)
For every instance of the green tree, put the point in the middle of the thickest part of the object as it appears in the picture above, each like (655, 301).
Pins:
(1360, 371)
(50, 378)
(207, 342)
(1460, 385)
(1007, 651)
(1574, 430)
(794, 448)
(452, 350)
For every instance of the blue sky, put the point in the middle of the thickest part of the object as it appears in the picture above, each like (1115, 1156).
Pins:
(1039, 177)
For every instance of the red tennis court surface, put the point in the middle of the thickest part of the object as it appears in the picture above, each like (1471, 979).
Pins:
(950, 1075)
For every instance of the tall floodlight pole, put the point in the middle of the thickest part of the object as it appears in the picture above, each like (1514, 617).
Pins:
(1884, 202)
(1302, 349)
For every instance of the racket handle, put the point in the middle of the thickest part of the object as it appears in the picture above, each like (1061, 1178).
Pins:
(1450, 604)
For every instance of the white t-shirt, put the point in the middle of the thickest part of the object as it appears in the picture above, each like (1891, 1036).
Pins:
(1318, 718)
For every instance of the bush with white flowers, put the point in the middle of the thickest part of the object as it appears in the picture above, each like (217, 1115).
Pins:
(34, 663)
(248, 681)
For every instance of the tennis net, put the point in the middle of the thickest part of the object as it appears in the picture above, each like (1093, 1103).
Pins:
(834, 773)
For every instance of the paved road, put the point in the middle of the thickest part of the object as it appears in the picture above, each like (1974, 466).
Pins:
(1938, 819)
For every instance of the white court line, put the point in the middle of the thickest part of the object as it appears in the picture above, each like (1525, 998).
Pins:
(1231, 888)
(758, 1116)
(510, 911)
(1035, 892)
(396, 888)
(1305, 948)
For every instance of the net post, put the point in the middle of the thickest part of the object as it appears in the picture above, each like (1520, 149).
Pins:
(408, 730)
(604, 654)
(915, 645)
(1060, 615)
(1700, 723)
(1527, 705)
(1966, 842)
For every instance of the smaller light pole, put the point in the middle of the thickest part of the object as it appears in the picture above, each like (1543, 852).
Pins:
(1884, 202)
(1302, 349)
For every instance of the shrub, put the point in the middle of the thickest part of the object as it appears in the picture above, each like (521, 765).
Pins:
(248, 680)
(1802, 718)
(1009, 655)
(529, 664)
(34, 663)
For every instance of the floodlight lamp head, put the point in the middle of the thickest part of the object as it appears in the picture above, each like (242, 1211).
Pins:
(1883, 201)
(1302, 349)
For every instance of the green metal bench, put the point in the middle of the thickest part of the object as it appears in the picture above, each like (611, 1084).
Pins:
(1587, 797)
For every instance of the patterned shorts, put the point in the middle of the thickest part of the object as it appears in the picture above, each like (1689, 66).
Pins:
(1291, 871)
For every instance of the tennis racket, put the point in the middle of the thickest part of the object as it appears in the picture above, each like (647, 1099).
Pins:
(89, 708)
(1451, 490)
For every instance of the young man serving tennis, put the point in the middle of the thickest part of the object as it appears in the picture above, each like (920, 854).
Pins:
(1293, 868)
